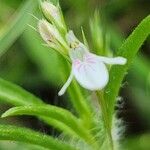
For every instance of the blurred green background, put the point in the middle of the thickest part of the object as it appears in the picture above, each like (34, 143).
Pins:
(26, 62)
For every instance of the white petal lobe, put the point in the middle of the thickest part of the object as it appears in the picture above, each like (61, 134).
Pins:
(114, 61)
(65, 86)
(90, 73)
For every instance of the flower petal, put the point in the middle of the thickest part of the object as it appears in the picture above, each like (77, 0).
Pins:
(77, 49)
(113, 61)
(65, 86)
(91, 73)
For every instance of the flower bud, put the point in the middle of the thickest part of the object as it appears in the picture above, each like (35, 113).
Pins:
(45, 31)
(53, 14)
(51, 35)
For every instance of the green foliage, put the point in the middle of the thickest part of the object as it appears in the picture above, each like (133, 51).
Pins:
(97, 34)
(78, 129)
(52, 115)
(128, 50)
(59, 115)
(5, 145)
(15, 28)
(28, 136)
(16, 95)
(44, 57)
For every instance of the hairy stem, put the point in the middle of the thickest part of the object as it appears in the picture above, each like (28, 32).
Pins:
(105, 115)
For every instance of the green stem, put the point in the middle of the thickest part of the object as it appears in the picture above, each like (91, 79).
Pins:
(105, 115)
(79, 102)
(82, 107)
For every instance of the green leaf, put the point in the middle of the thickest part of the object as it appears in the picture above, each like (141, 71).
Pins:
(9, 145)
(56, 114)
(128, 50)
(17, 26)
(24, 135)
(16, 95)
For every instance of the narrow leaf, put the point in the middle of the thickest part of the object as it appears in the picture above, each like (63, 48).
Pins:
(18, 25)
(59, 114)
(128, 50)
(24, 135)
(44, 57)
(16, 95)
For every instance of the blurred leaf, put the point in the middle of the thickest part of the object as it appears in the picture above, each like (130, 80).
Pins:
(5, 145)
(97, 34)
(44, 57)
(12, 4)
(70, 123)
(137, 142)
(140, 66)
(141, 102)
(24, 135)
(15, 28)
(116, 7)
(59, 117)
(16, 95)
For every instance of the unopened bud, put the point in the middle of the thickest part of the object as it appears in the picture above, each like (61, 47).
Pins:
(53, 14)
(50, 34)
(45, 31)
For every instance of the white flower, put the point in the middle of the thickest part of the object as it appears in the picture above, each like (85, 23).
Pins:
(87, 68)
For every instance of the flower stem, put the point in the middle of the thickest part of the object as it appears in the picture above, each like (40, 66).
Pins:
(79, 102)
(105, 115)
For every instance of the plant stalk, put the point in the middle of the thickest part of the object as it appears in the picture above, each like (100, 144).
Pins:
(105, 115)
